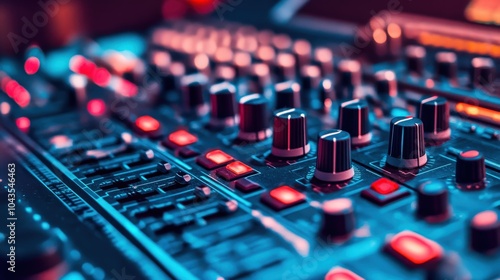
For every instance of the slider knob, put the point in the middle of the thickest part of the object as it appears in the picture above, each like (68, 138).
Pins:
(435, 115)
(290, 133)
(470, 167)
(339, 221)
(406, 143)
(353, 118)
(254, 118)
(333, 162)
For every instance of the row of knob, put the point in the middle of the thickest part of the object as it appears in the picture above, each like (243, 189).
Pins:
(339, 221)
(481, 74)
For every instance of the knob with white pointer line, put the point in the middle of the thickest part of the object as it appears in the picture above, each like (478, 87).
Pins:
(406, 143)
(333, 162)
(435, 115)
(353, 118)
(254, 118)
(290, 133)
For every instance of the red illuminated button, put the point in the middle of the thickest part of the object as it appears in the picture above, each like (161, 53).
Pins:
(218, 157)
(340, 273)
(23, 123)
(286, 195)
(31, 65)
(414, 249)
(182, 138)
(384, 186)
(147, 124)
(239, 168)
(96, 107)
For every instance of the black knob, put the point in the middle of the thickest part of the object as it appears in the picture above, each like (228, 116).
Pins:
(470, 168)
(310, 76)
(339, 220)
(406, 143)
(333, 162)
(301, 50)
(290, 133)
(435, 115)
(254, 118)
(386, 83)
(482, 72)
(223, 105)
(446, 66)
(349, 79)
(193, 90)
(484, 232)
(415, 59)
(287, 95)
(172, 75)
(432, 201)
(354, 119)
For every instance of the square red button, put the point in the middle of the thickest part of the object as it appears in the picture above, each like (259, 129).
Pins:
(182, 138)
(384, 186)
(218, 157)
(414, 249)
(287, 195)
(340, 273)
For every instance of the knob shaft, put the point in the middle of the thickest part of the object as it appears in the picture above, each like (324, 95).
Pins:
(484, 232)
(333, 162)
(254, 118)
(406, 143)
(482, 72)
(470, 167)
(290, 133)
(223, 105)
(435, 115)
(432, 201)
(354, 119)
(339, 220)
(287, 95)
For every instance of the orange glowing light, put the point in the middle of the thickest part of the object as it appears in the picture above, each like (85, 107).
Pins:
(218, 157)
(96, 107)
(473, 110)
(394, 30)
(238, 168)
(379, 36)
(182, 138)
(31, 65)
(470, 46)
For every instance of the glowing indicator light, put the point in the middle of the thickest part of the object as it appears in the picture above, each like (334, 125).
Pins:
(147, 124)
(472, 110)
(287, 195)
(384, 186)
(340, 273)
(182, 138)
(96, 107)
(239, 168)
(415, 248)
(31, 65)
(101, 77)
(23, 123)
(218, 157)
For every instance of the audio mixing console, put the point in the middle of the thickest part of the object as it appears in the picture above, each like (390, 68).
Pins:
(223, 151)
